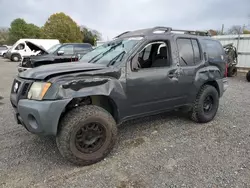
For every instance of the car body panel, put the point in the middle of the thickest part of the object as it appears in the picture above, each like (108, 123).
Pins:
(134, 92)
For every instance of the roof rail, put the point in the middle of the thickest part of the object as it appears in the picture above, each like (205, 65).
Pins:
(121, 34)
(159, 28)
(201, 33)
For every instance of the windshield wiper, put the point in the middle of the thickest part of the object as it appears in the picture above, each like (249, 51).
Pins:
(113, 61)
(94, 57)
(111, 48)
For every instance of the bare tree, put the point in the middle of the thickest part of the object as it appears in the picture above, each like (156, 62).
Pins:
(235, 30)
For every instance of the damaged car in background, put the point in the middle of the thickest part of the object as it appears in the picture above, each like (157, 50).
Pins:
(139, 73)
(59, 53)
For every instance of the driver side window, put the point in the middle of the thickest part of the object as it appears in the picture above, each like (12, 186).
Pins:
(153, 55)
(20, 46)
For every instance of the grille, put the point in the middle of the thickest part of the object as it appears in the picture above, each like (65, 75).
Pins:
(20, 88)
(25, 89)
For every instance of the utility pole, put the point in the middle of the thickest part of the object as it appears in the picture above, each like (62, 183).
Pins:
(222, 29)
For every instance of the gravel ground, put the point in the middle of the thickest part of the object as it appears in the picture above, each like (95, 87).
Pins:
(162, 151)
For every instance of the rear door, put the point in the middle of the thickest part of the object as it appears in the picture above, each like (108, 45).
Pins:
(190, 61)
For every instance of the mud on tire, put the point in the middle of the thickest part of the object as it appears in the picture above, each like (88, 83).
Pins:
(86, 135)
(206, 105)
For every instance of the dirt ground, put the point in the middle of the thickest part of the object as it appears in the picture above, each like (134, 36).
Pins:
(166, 150)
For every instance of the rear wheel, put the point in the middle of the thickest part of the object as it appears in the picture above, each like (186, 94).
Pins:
(248, 76)
(232, 71)
(15, 57)
(4, 55)
(206, 104)
(86, 135)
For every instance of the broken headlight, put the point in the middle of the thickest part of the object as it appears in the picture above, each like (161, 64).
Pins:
(38, 90)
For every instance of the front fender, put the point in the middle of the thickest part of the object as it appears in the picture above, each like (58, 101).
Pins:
(90, 86)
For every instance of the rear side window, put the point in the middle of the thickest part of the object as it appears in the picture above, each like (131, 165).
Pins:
(189, 51)
(213, 48)
(197, 54)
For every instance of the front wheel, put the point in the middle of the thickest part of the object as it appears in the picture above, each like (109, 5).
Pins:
(86, 135)
(4, 55)
(248, 76)
(206, 104)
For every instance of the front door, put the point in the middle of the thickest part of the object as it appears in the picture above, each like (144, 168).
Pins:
(154, 86)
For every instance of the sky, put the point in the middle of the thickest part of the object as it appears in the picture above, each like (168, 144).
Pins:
(111, 17)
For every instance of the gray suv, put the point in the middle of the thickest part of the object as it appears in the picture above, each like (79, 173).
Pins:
(139, 73)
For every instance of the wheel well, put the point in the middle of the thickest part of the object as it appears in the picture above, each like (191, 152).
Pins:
(99, 100)
(214, 84)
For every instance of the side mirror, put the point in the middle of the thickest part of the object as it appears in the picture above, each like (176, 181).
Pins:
(60, 52)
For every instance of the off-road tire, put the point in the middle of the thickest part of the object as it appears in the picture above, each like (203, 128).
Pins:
(248, 76)
(197, 114)
(15, 57)
(71, 123)
(232, 71)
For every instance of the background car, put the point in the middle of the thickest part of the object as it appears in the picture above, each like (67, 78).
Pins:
(59, 53)
(3, 50)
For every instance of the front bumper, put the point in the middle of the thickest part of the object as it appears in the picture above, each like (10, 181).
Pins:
(40, 117)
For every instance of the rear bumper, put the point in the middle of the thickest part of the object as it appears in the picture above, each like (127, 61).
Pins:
(40, 117)
(225, 84)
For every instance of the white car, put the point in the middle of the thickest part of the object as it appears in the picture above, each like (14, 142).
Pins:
(3, 50)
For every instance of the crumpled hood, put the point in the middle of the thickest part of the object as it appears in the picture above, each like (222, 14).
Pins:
(42, 72)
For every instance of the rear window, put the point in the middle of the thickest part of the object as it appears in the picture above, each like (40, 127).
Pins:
(213, 48)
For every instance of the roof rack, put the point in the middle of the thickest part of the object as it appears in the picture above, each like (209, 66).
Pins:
(169, 30)
(163, 29)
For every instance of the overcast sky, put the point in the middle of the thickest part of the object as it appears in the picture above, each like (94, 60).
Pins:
(110, 17)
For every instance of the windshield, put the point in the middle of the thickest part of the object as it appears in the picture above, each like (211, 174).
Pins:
(111, 52)
(54, 48)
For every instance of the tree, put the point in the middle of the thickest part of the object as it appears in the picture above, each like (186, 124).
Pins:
(20, 29)
(88, 36)
(62, 27)
(4, 35)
